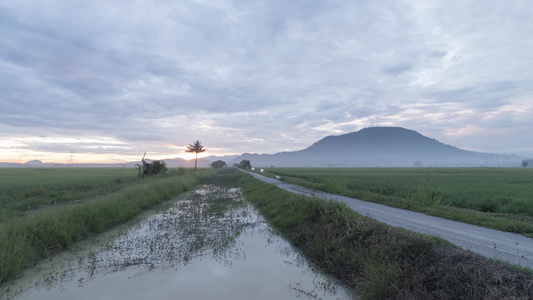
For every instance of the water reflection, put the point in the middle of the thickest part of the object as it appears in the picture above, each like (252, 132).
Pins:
(212, 245)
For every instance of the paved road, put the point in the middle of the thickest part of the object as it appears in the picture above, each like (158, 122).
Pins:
(511, 247)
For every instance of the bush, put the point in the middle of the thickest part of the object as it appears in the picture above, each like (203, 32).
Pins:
(153, 168)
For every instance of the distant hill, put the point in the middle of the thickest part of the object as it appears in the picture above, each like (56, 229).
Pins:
(203, 162)
(369, 147)
(380, 146)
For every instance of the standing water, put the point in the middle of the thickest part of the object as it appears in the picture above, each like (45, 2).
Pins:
(210, 245)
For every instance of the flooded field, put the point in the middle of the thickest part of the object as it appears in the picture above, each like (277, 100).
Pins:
(209, 245)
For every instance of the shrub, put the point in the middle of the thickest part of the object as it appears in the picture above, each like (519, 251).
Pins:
(153, 168)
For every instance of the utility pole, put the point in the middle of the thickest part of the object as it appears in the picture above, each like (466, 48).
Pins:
(70, 161)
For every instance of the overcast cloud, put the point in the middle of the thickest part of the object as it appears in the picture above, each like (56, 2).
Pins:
(112, 79)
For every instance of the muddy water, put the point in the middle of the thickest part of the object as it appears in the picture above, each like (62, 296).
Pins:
(210, 245)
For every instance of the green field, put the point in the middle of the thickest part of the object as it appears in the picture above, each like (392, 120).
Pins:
(27, 189)
(44, 211)
(500, 198)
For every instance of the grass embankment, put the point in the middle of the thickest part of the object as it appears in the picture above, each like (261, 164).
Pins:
(381, 261)
(498, 198)
(43, 231)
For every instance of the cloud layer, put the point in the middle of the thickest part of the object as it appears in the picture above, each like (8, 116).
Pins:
(117, 78)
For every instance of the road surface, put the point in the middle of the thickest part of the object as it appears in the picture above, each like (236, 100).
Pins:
(495, 244)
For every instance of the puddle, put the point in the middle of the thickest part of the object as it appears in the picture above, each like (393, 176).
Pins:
(210, 245)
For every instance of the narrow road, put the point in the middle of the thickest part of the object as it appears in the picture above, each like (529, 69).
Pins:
(495, 244)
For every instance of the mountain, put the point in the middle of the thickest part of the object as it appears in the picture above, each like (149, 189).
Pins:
(203, 162)
(380, 146)
(212, 158)
(369, 147)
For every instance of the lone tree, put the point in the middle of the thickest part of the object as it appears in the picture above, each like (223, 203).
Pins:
(525, 163)
(195, 148)
(245, 164)
(219, 164)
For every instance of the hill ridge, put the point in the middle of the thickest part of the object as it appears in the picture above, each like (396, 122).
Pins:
(380, 146)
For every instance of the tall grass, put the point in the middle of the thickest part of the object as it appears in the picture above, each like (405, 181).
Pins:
(40, 233)
(363, 252)
(497, 190)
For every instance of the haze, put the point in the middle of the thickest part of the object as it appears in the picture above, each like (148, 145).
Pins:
(110, 80)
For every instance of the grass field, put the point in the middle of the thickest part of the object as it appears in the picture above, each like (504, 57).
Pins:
(500, 198)
(27, 189)
(45, 211)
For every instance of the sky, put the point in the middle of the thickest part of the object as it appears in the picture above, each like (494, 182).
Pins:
(105, 81)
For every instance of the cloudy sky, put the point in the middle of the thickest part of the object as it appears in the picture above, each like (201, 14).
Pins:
(109, 80)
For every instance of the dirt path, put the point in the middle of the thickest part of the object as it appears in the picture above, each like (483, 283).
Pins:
(505, 246)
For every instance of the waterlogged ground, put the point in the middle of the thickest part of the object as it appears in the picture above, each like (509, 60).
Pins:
(209, 245)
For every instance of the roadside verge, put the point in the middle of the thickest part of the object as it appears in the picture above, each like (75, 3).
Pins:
(510, 247)
(381, 261)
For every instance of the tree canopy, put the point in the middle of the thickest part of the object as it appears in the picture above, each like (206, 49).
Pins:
(219, 164)
(245, 164)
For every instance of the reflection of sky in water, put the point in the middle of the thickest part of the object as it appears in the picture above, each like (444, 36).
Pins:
(186, 253)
